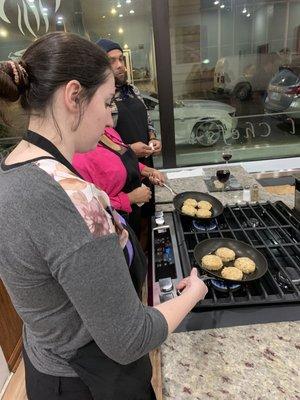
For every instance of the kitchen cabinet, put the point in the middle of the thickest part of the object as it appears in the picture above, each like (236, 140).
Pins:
(10, 330)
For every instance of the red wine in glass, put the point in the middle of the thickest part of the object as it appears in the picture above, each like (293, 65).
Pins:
(223, 175)
(227, 156)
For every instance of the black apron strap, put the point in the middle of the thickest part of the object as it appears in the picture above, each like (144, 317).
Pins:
(49, 147)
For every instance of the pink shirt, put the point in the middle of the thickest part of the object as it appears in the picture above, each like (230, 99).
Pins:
(104, 168)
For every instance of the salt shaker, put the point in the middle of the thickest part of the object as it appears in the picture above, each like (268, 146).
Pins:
(254, 193)
(246, 194)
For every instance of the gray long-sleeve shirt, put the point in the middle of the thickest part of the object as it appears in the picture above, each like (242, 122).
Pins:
(68, 286)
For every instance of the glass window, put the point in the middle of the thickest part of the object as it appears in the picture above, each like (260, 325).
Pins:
(235, 70)
(128, 22)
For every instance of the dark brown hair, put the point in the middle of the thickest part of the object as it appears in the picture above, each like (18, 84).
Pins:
(50, 62)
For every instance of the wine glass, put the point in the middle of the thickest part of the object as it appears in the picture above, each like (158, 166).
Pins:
(223, 176)
(227, 153)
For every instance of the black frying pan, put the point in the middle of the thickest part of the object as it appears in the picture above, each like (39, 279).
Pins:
(241, 249)
(217, 207)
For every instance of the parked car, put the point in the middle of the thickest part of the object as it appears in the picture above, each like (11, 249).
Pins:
(283, 96)
(239, 76)
(200, 122)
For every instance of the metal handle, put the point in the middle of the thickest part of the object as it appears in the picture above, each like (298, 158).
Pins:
(170, 189)
(205, 277)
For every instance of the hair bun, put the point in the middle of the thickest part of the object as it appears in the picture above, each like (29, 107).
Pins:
(13, 80)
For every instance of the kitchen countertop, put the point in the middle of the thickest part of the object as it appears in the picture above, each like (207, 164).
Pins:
(196, 183)
(254, 362)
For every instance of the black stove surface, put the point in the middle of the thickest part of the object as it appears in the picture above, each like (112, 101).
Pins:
(274, 230)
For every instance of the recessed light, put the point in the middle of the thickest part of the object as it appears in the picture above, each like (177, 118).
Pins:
(3, 32)
(113, 11)
(248, 15)
(103, 16)
(222, 6)
(120, 15)
(131, 12)
(216, 2)
(119, 5)
(128, 1)
(120, 30)
(244, 10)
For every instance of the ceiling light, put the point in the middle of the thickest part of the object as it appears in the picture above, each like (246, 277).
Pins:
(60, 18)
(119, 5)
(125, 46)
(222, 6)
(113, 11)
(108, 34)
(120, 30)
(3, 33)
(128, 1)
(244, 10)
(206, 61)
(103, 16)
(30, 1)
(216, 2)
(248, 15)
(120, 15)
(131, 12)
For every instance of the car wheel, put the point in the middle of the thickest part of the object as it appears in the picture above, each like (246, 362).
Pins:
(206, 133)
(242, 91)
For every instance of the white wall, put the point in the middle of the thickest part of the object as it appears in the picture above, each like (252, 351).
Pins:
(4, 372)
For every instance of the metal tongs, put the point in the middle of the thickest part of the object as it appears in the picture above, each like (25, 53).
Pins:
(169, 188)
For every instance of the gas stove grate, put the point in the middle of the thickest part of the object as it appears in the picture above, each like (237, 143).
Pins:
(272, 229)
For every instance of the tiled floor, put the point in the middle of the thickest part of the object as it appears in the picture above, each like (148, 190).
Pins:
(16, 387)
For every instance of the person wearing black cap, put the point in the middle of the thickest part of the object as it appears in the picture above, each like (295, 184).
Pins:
(131, 118)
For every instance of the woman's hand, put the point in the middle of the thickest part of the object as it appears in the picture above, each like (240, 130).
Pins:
(193, 284)
(155, 145)
(156, 177)
(141, 194)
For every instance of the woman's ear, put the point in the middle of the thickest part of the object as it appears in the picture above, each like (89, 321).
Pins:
(71, 95)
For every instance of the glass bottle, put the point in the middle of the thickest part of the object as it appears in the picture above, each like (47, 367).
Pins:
(246, 193)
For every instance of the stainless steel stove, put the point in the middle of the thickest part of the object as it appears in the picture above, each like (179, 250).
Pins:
(272, 228)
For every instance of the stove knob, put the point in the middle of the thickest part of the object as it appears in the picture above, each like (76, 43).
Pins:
(166, 284)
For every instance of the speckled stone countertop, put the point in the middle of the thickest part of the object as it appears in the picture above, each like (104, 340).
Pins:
(255, 362)
(197, 183)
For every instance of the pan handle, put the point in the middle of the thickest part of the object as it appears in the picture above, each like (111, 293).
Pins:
(205, 277)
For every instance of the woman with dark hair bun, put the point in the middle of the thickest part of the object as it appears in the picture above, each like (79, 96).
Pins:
(72, 270)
